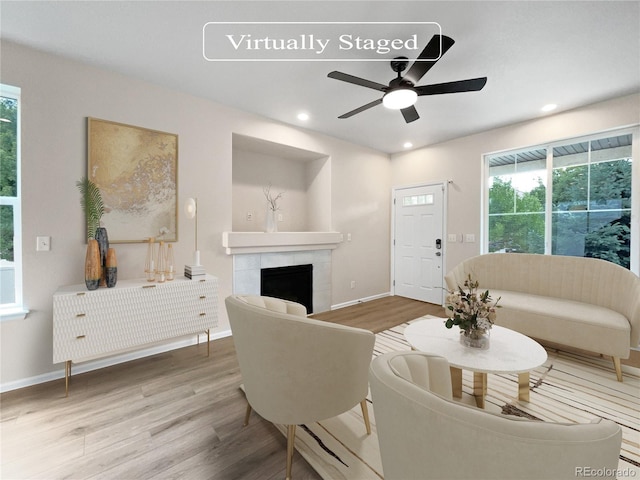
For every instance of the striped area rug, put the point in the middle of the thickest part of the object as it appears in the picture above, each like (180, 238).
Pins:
(567, 388)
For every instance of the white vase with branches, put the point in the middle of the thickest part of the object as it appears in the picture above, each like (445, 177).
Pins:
(272, 208)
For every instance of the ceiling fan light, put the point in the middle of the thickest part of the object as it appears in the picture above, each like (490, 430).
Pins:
(399, 98)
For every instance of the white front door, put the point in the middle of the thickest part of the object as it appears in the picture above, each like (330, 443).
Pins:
(418, 243)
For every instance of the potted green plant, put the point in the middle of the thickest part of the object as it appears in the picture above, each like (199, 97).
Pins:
(92, 205)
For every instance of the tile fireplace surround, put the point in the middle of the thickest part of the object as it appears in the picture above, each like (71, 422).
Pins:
(253, 251)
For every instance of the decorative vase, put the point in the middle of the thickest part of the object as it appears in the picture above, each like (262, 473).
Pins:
(476, 338)
(161, 260)
(103, 244)
(111, 268)
(150, 262)
(170, 266)
(92, 269)
(271, 221)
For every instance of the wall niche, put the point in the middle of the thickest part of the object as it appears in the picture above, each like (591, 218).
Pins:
(303, 177)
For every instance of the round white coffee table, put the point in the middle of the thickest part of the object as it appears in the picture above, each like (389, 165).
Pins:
(509, 352)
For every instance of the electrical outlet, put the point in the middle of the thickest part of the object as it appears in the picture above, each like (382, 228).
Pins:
(43, 244)
(280, 217)
(353, 284)
(249, 216)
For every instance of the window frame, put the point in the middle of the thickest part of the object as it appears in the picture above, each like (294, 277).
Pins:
(634, 131)
(15, 310)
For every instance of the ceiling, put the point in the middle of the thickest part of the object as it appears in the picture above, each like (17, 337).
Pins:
(571, 53)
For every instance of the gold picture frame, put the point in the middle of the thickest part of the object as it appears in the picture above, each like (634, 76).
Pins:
(136, 170)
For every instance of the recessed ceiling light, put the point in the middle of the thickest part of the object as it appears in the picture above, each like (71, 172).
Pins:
(303, 116)
(549, 107)
(407, 145)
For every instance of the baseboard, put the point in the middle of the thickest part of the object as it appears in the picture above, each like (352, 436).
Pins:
(109, 361)
(360, 300)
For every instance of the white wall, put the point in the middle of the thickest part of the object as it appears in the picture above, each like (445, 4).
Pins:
(254, 171)
(460, 160)
(58, 95)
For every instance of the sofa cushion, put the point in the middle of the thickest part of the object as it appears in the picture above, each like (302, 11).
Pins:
(575, 324)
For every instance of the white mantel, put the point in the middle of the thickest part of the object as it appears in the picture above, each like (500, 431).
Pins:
(261, 242)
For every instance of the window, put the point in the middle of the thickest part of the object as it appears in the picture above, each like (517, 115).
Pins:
(10, 218)
(414, 200)
(569, 198)
(517, 192)
(591, 202)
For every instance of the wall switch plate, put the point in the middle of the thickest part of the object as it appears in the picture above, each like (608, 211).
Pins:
(470, 238)
(452, 237)
(43, 244)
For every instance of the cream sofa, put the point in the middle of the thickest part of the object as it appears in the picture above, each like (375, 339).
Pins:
(585, 303)
(423, 434)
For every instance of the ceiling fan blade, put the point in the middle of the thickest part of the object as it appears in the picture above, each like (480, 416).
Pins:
(345, 77)
(471, 85)
(361, 109)
(431, 51)
(410, 114)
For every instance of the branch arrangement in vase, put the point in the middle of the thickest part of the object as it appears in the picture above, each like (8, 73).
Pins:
(271, 200)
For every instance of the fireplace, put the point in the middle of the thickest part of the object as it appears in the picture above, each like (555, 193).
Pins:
(293, 283)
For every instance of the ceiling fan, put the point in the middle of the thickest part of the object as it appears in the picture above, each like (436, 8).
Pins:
(402, 92)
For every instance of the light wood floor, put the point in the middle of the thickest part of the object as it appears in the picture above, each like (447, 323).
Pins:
(174, 415)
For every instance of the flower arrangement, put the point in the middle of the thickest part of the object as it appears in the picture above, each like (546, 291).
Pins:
(469, 309)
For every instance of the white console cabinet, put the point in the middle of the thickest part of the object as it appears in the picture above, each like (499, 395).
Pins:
(135, 313)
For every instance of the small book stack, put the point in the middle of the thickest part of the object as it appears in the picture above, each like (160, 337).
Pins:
(194, 271)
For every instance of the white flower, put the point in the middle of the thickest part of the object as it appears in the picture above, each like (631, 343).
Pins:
(470, 309)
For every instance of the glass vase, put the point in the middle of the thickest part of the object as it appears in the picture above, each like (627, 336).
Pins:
(170, 268)
(271, 221)
(476, 338)
(161, 262)
(150, 262)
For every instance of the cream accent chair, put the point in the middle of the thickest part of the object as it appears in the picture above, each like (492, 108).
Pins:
(424, 434)
(297, 370)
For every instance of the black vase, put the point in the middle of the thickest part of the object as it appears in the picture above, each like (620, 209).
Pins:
(103, 244)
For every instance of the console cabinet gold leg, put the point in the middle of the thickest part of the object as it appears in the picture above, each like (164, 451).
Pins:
(67, 374)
